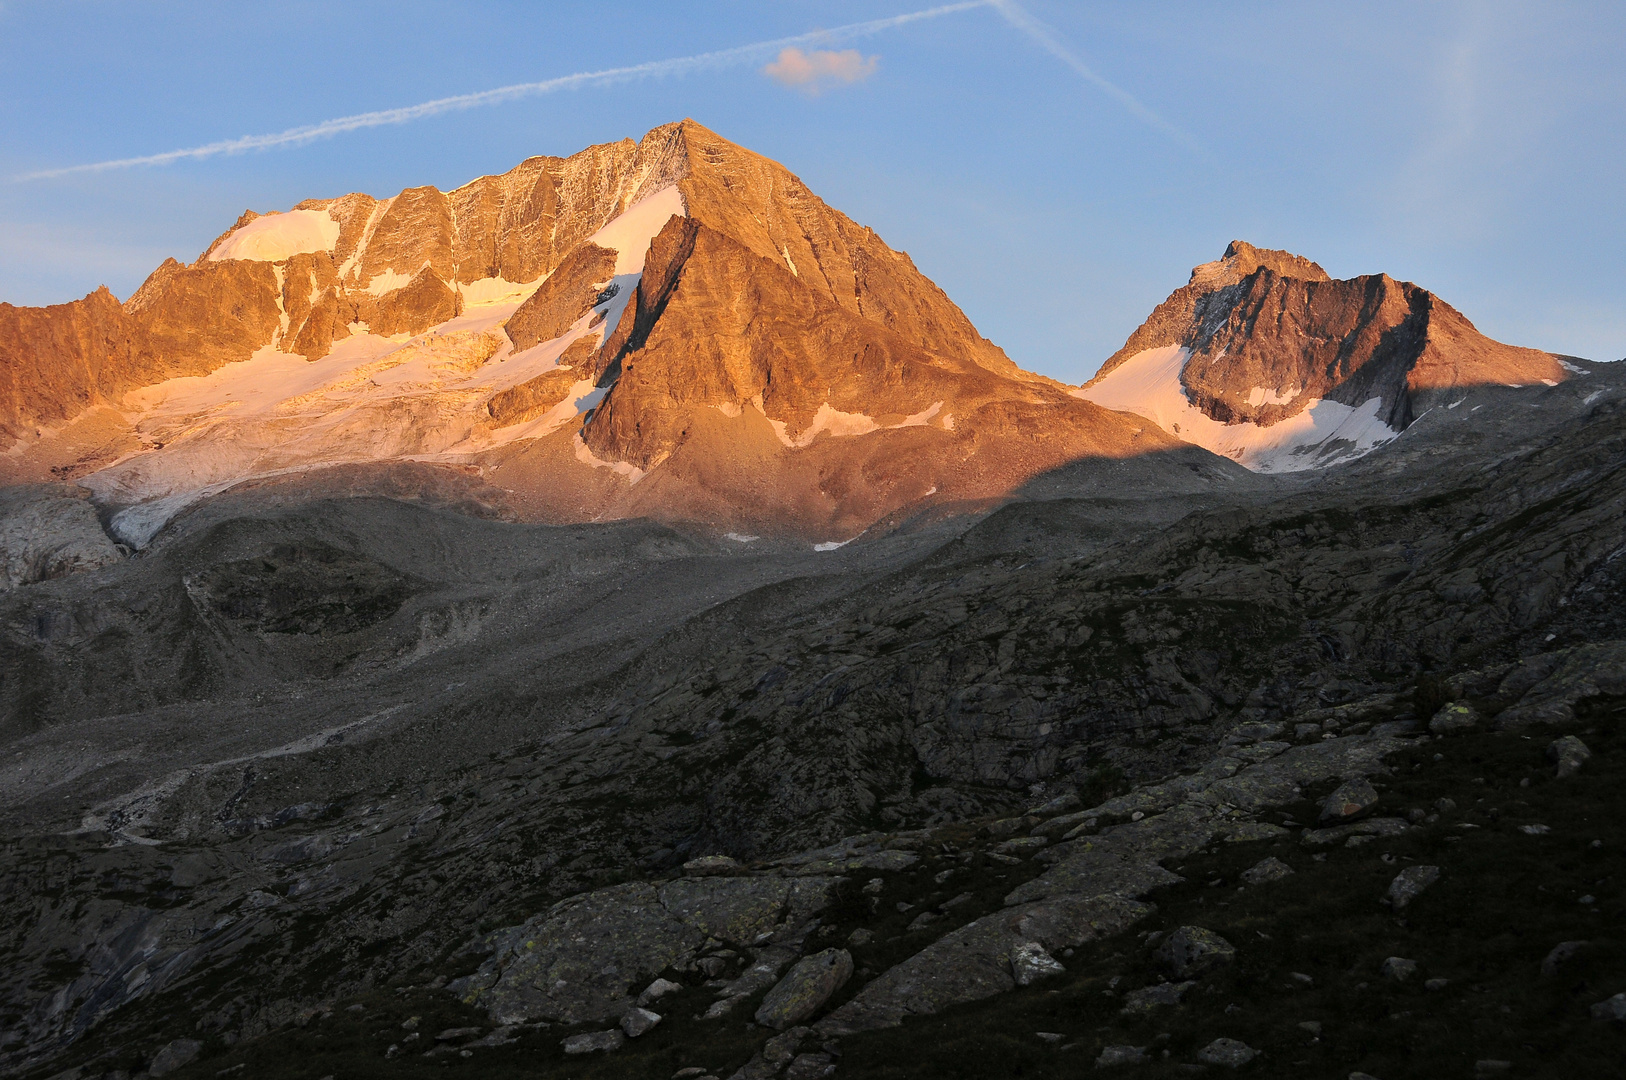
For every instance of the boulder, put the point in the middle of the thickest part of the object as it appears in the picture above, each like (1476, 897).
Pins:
(575, 963)
(1121, 1055)
(1030, 963)
(1149, 998)
(1409, 884)
(805, 988)
(594, 1041)
(637, 1021)
(1398, 968)
(812, 1066)
(1568, 753)
(1563, 952)
(1266, 870)
(1378, 826)
(1611, 1009)
(657, 990)
(1454, 719)
(1352, 799)
(1228, 1053)
(1192, 949)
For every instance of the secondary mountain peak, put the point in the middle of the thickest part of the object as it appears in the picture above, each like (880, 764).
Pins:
(1263, 357)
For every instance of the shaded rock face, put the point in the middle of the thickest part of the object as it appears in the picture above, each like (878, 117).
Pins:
(805, 988)
(1270, 334)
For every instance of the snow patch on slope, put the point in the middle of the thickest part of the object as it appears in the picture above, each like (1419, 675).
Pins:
(585, 455)
(827, 419)
(629, 233)
(276, 237)
(837, 424)
(388, 281)
(1325, 433)
(497, 290)
(1260, 396)
(372, 398)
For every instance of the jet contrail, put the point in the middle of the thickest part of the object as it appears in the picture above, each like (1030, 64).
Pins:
(1018, 17)
(1012, 12)
(655, 68)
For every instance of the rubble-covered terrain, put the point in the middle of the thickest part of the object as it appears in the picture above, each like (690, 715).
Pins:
(1294, 775)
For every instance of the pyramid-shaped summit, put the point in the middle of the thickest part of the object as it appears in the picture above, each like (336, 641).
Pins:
(1263, 357)
(675, 327)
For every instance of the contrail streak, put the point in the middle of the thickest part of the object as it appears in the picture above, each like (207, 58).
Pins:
(653, 69)
(1018, 17)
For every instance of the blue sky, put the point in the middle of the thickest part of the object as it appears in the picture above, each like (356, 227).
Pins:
(1478, 149)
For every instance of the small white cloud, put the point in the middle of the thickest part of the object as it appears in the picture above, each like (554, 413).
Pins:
(813, 72)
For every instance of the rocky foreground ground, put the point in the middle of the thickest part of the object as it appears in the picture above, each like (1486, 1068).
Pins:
(1347, 894)
(1259, 761)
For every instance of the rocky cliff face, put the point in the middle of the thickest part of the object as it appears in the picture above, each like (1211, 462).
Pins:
(1144, 759)
(1264, 358)
(1269, 335)
(774, 368)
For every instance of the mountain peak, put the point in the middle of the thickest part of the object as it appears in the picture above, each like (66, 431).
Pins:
(776, 368)
(1242, 258)
(1263, 357)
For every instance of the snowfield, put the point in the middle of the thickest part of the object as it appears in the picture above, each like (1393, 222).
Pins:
(276, 237)
(371, 398)
(1325, 433)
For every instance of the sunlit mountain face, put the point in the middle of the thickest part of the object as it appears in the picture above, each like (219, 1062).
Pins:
(620, 618)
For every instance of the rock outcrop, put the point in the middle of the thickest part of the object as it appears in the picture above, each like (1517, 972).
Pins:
(1268, 334)
(674, 328)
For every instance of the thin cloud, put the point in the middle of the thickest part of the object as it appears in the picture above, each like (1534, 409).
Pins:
(298, 136)
(1046, 37)
(816, 71)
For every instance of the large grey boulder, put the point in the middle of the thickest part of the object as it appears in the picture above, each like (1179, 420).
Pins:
(1398, 968)
(1610, 1009)
(1453, 719)
(1229, 1053)
(1350, 800)
(1561, 954)
(1266, 870)
(638, 1021)
(1030, 963)
(805, 988)
(1149, 998)
(1191, 950)
(1568, 754)
(1121, 1055)
(1409, 884)
(594, 1042)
